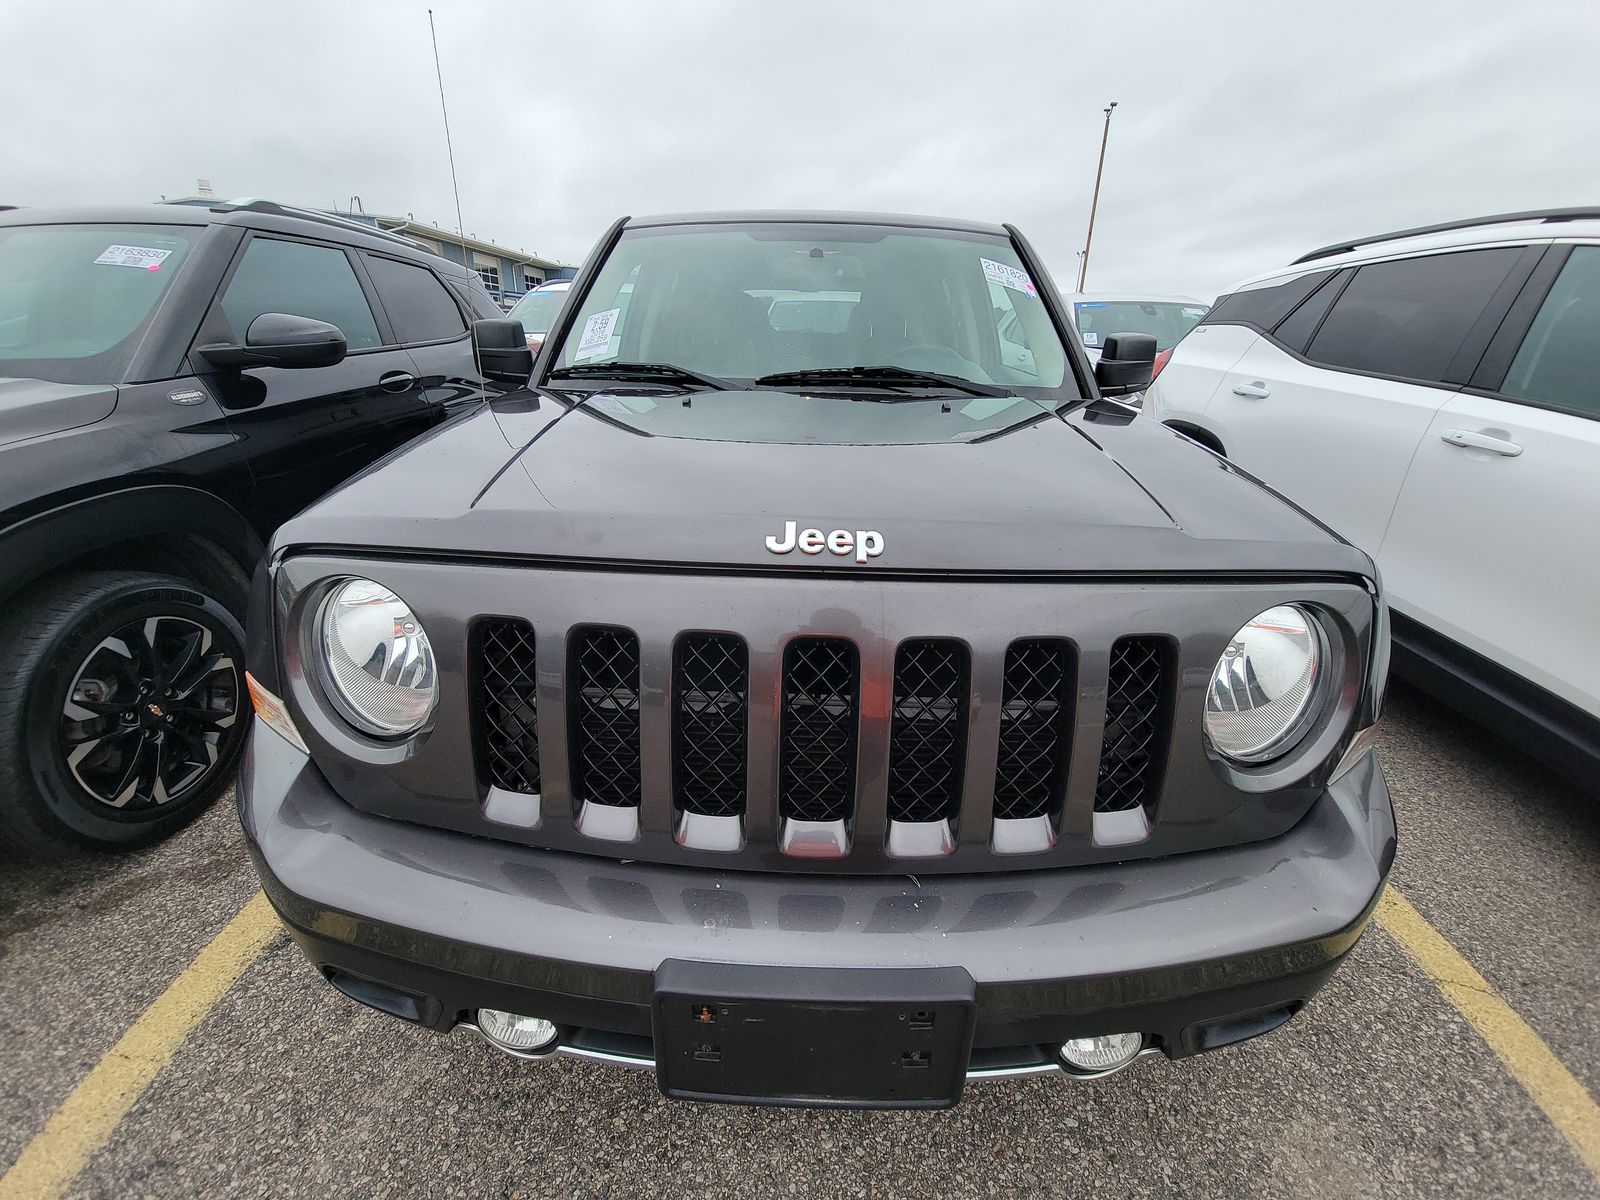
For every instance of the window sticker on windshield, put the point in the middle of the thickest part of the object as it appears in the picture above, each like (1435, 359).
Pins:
(620, 406)
(143, 257)
(596, 333)
(985, 407)
(1091, 338)
(1012, 277)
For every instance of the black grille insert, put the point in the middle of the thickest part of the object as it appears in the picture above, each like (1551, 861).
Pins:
(927, 736)
(710, 683)
(1035, 735)
(508, 702)
(1134, 745)
(817, 737)
(604, 703)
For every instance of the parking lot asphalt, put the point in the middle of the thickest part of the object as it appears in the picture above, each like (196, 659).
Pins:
(1380, 1088)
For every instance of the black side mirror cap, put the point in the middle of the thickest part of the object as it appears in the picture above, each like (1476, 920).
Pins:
(502, 349)
(281, 340)
(1127, 361)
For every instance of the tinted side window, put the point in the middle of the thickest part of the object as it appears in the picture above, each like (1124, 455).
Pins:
(478, 299)
(301, 279)
(1297, 328)
(1263, 307)
(1559, 360)
(1408, 318)
(418, 306)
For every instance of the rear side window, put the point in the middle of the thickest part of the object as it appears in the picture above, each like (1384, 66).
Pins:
(304, 281)
(418, 306)
(1262, 308)
(1409, 317)
(1559, 361)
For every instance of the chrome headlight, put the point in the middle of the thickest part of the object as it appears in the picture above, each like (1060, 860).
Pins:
(1264, 687)
(378, 664)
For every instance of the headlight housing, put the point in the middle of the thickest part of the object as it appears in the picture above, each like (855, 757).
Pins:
(377, 662)
(1265, 687)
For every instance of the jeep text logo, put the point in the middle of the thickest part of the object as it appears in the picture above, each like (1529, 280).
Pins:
(867, 543)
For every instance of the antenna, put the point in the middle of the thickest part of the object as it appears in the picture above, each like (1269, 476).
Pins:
(1094, 205)
(455, 187)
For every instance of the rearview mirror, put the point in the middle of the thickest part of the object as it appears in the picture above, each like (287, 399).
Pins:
(281, 340)
(1127, 361)
(502, 349)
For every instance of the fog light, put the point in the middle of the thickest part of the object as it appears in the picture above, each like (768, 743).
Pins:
(1108, 1052)
(512, 1031)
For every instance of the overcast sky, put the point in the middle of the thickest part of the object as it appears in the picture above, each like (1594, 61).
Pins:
(1245, 133)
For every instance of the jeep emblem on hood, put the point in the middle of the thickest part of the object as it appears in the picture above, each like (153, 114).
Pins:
(866, 543)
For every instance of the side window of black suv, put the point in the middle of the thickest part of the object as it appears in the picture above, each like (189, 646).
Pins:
(302, 279)
(418, 306)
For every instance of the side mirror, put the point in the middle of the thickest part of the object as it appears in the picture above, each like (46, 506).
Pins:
(1127, 361)
(281, 340)
(502, 349)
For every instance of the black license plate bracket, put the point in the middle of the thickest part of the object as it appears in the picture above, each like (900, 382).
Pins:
(813, 1036)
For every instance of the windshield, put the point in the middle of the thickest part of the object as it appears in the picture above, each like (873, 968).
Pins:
(75, 299)
(1164, 321)
(740, 302)
(537, 310)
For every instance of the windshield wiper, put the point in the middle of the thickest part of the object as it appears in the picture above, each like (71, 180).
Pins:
(886, 376)
(665, 373)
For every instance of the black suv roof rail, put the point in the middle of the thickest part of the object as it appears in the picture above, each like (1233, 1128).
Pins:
(1544, 215)
(275, 209)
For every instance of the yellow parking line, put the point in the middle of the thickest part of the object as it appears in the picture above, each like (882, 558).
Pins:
(92, 1111)
(1530, 1062)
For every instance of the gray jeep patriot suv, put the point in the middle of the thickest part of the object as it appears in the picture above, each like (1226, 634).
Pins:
(810, 691)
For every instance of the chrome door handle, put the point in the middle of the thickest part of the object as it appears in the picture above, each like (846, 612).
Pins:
(1467, 439)
(397, 381)
(1252, 391)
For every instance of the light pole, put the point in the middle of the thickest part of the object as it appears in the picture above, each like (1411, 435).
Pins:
(1083, 261)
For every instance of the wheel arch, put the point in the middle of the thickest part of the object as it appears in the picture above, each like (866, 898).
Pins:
(201, 533)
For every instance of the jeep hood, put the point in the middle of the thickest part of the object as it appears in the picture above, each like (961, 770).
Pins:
(1099, 491)
(31, 408)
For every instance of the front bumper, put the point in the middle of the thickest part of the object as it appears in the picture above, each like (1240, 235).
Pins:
(1195, 950)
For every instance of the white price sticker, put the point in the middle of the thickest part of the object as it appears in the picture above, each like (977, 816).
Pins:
(1091, 338)
(1007, 276)
(145, 258)
(597, 333)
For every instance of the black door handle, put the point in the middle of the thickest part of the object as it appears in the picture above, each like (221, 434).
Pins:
(397, 381)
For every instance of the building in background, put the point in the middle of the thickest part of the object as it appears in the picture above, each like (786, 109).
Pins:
(507, 273)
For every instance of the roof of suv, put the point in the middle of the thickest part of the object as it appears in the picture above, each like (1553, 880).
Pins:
(817, 217)
(252, 214)
(1542, 225)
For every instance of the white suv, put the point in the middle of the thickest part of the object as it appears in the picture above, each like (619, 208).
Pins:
(1434, 396)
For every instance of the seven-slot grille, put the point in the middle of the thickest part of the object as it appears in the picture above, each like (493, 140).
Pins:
(927, 737)
(819, 721)
(710, 709)
(604, 700)
(1035, 738)
(508, 705)
(1134, 740)
(817, 729)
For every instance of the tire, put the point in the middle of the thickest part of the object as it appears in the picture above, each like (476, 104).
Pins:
(115, 732)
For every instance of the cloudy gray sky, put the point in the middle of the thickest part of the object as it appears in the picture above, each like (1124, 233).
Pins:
(1245, 133)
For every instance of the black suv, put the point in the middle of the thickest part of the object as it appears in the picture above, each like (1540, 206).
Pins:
(174, 382)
